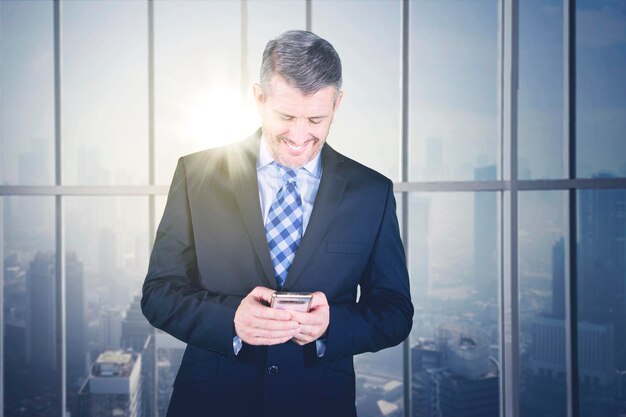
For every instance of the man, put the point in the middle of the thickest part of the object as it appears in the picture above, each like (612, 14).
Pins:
(279, 211)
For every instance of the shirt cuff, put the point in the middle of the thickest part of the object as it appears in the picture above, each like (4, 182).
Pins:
(237, 344)
(320, 346)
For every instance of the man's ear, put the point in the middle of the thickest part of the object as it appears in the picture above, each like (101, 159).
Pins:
(259, 97)
(338, 101)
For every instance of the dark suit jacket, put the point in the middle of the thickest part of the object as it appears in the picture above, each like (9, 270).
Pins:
(210, 252)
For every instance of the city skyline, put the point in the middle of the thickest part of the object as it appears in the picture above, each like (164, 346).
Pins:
(447, 138)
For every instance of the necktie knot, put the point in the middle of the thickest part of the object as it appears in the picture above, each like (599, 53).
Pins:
(289, 175)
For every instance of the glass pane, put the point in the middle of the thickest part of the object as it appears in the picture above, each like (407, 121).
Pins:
(540, 93)
(379, 383)
(379, 375)
(107, 252)
(169, 353)
(600, 87)
(601, 302)
(367, 125)
(267, 19)
(453, 264)
(31, 367)
(105, 93)
(198, 97)
(453, 89)
(27, 93)
(542, 240)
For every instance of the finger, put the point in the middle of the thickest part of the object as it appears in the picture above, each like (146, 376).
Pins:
(260, 336)
(300, 317)
(301, 339)
(311, 332)
(269, 337)
(256, 327)
(318, 300)
(273, 325)
(313, 317)
(255, 308)
(268, 313)
(262, 294)
(273, 334)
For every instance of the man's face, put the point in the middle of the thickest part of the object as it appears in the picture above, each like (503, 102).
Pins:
(295, 126)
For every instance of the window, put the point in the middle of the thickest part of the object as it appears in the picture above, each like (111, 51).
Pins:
(501, 124)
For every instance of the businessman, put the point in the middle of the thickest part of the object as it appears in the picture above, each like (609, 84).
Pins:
(280, 211)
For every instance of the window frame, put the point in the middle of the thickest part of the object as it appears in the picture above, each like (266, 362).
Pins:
(507, 186)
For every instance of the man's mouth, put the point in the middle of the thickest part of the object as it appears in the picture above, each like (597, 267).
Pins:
(297, 148)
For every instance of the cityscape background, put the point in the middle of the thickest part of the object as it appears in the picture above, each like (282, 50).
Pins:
(142, 83)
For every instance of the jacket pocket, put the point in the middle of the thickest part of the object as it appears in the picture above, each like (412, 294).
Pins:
(197, 371)
(352, 248)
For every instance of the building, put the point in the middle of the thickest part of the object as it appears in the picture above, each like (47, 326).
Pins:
(169, 354)
(486, 236)
(454, 376)
(430, 87)
(137, 336)
(111, 327)
(113, 388)
(602, 262)
(41, 333)
(135, 327)
(42, 320)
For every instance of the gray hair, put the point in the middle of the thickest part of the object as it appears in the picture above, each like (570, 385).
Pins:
(306, 61)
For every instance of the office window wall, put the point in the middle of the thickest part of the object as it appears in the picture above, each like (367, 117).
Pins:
(501, 123)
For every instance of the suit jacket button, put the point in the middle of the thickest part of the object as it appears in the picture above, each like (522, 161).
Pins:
(272, 370)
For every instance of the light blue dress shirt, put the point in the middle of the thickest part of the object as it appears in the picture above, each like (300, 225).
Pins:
(270, 180)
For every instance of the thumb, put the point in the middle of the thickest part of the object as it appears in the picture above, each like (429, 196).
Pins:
(262, 294)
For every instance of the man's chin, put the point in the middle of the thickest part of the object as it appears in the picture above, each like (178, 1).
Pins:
(293, 164)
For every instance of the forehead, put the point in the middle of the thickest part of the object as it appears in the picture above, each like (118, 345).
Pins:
(284, 98)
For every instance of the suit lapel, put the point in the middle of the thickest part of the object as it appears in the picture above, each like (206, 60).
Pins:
(327, 201)
(247, 196)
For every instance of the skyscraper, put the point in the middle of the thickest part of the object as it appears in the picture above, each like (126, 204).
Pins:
(486, 236)
(76, 332)
(113, 387)
(602, 260)
(169, 351)
(136, 335)
(41, 323)
(558, 279)
(111, 327)
(601, 302)
(420, 205)
(135, 328)
(454, 375)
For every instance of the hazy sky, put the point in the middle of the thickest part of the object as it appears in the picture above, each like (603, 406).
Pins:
(198, 90)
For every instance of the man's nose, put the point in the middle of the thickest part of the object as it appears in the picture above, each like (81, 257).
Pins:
(299, 132)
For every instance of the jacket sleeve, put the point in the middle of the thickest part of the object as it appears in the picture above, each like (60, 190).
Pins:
(173, 300)
(383, 315)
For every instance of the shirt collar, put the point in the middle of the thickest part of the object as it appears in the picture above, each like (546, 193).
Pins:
(314, 167)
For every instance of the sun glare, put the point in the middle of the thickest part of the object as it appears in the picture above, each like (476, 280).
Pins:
(219, 118)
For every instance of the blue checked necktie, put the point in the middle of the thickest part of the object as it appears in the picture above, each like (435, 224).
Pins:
(284, 224)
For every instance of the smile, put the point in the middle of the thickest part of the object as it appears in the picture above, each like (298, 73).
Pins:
(295, 148)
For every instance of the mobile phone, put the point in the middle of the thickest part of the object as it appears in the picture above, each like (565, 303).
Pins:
(296, 301)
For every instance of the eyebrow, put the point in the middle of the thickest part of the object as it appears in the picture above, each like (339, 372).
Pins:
(290, 115)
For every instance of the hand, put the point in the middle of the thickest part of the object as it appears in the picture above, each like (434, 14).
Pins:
(314, 323)
(258, 324)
